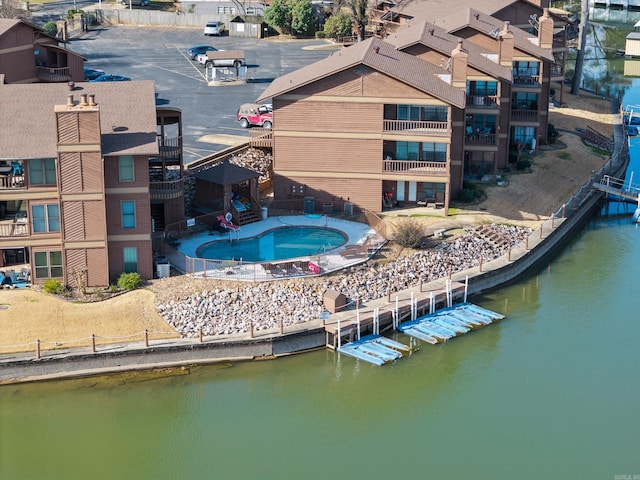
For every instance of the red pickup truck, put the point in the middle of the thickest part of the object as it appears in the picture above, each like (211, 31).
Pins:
(255, 114)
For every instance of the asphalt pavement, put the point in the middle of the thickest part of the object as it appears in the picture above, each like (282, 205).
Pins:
(159, 54)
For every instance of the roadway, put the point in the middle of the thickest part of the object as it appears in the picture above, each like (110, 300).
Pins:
(159, 54)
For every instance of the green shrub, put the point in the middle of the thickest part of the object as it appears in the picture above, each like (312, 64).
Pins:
(552, 133)
(129, 281)
(320, 34)
(70, 13)
(53, 286)
(523, 164)
(467, 195)
(409, 233)
(51, 28)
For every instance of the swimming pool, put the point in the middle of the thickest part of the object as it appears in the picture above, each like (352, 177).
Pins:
(277, 244)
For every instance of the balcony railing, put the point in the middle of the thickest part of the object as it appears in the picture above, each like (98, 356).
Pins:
(482, 100)
(524, 115)
(417, 167)
(526, 80)
(166, 189)
(416, 127)
(170, 147)
(12, 182)
(261, 137)
(13, 229)
(480, 138)
(56, 74)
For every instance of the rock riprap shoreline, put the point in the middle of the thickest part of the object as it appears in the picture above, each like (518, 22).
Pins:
(219, 310)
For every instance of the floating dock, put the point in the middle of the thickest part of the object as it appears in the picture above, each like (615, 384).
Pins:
(375, 349)
(449, 322)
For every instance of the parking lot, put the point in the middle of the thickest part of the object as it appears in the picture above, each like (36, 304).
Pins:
(209, 112)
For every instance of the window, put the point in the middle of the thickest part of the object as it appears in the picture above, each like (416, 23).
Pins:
(42, 172)
(434, 114)
(130, 255)
(526, 69)
(523, 135)
(407, 150)
(408, 112)
(226, 10)
(128, 214)
(48, 264)
(482, 88)
(125, 168)
(46, 218)
(525, 101)
(434, 152)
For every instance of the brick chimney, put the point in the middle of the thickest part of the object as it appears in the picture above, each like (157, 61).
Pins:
(459, 59)
(505, 46)
(545, 30)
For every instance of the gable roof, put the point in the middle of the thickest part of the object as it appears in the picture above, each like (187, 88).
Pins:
(432, 9)
(438, 39)
(127, 117)
(378, 55)
(7, 24)
(226, 173)
(484, 23)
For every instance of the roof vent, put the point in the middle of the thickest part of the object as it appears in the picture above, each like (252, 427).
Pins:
(477, 15)
(376, 49)
(431, 31)
(70, 100)
(83, 100)
(92, 100)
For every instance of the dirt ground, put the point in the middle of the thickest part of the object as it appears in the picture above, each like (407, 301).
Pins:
(26, 316)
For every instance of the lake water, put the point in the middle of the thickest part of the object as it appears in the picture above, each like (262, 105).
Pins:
(552, 391)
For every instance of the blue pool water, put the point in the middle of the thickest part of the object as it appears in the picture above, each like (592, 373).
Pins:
(277, 244)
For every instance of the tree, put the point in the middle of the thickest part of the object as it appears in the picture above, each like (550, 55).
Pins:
(360, 18)
(582, 42)
(12, 9)
(303, 20)
(338, 25)
(279, 16)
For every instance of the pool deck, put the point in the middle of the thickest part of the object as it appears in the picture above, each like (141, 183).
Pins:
(346, 255)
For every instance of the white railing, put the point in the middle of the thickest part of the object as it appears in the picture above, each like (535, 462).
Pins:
(415, 166)
(416, 126)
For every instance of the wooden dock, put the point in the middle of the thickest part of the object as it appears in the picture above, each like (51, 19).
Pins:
(625, 191)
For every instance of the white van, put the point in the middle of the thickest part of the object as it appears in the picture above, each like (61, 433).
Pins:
(214, 28)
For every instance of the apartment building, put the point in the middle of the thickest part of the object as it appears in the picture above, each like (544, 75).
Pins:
(81, 169)
(29, 55)
(367, 125)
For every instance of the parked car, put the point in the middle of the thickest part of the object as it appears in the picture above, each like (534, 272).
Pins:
(214, 28)
(135, 3)
(110, 78)
(92, 73)
(193, 52)
(255, 114)
(203, 59)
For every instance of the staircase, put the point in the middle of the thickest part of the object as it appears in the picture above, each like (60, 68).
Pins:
(247, 216)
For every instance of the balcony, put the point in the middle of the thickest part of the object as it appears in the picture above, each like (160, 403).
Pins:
(416, 127)
(18, 227)
(526, 80)
(12, 182)
(170, 147)
(166, 190)
(522, 115)
(480, 138)
(417, 167)
(51, 75)
(490, 101)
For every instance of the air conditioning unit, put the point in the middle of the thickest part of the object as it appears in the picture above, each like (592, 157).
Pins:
(163, 270)
(348, 209)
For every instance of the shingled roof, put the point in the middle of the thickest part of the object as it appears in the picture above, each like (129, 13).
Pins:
(226, 173)
(485, 23)
(28, 122)
(380, 56)
(438, 39)
(431, 10)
